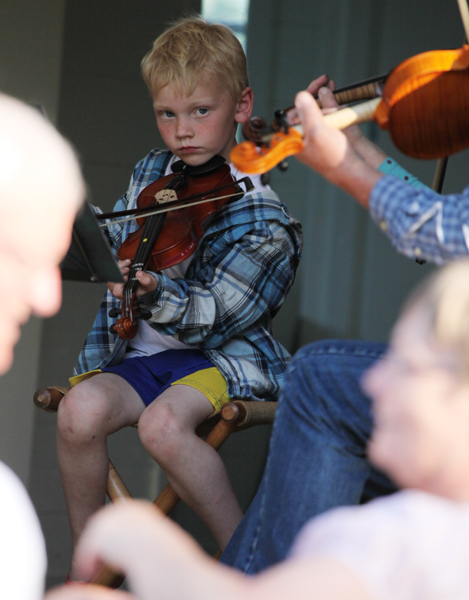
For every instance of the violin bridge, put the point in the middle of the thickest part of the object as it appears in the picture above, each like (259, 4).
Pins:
(164, 196)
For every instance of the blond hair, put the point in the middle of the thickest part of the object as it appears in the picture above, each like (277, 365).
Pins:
(443, 299)
(189, 51)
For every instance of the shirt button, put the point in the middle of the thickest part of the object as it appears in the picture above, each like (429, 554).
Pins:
(383, 225)
(417, 251)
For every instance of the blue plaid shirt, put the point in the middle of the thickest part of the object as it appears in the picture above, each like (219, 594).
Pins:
(236, 282)
(420, 222)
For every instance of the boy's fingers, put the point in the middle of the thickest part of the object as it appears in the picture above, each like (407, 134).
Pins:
(147, 283)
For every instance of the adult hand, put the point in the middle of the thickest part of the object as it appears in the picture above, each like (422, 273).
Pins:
(87, 592)
(313, 88)
(134, 538)
(329, 151)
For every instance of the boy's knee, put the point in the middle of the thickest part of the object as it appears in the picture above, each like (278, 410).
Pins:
(80, 418)
(161, 432)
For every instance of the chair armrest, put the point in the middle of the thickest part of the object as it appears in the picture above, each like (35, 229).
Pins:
(49, 398)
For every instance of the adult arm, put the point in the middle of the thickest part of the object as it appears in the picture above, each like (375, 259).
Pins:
(162, 561)
(419, 222)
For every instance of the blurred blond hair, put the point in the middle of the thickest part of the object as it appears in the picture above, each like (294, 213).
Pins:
(443, 299)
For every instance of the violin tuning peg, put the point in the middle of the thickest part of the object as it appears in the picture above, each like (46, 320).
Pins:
(283, 166)
(144, 314)
(112, 329)
(114, 313)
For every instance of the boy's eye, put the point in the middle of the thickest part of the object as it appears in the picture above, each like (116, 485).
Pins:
(202, 111)
(167, 114)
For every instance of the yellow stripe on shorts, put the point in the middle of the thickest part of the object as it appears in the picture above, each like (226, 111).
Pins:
(211, 383)
(78, 378)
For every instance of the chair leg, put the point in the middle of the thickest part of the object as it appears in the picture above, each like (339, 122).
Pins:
(117, 492)
(116, 488)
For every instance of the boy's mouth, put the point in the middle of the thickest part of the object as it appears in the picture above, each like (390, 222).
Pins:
(188, 149)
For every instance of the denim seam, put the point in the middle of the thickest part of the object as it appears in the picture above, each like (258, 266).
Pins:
(265, 481)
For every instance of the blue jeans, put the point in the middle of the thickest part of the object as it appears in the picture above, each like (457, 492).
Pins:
(317, 457)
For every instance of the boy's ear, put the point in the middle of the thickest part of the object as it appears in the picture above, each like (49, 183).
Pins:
(244, 108)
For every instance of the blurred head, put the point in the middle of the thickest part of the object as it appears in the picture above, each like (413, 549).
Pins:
(420, 389)
(40, 190)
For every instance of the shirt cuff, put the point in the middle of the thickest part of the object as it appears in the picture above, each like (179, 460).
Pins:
(390, 167)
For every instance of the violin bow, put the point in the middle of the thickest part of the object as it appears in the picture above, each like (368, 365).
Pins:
(176, 205)
(464, 10)
(442, 163)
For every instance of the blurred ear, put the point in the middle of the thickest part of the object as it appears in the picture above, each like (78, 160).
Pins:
(244, 107)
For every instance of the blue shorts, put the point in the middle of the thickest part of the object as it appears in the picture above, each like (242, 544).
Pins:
(151, 375)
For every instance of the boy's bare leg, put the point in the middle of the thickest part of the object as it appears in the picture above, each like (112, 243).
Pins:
(194, 469)
(90, 412)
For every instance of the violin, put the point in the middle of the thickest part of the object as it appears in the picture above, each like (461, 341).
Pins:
(424, 105)
(170, 230)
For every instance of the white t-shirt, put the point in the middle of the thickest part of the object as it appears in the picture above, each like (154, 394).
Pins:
(148, 341)
(408, 546)
(23, 559)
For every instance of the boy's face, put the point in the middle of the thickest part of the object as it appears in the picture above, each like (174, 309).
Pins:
(197, 127)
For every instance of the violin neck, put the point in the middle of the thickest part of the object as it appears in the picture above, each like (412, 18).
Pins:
(364, 92)
(345, 117)
(151, 230)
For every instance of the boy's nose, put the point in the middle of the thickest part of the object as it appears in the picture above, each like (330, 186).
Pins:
(183, 128)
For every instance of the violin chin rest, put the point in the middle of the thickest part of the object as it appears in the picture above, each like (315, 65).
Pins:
(212, 164)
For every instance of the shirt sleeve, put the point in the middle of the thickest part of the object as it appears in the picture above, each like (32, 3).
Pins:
(247, 278)
(23, 559)
(419, 222)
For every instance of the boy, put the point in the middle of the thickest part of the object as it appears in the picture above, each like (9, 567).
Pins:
(209, 336)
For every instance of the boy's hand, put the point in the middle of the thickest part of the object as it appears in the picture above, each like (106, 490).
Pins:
(146, 282)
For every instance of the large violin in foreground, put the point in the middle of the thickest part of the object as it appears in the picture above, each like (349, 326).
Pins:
(173, 214)
(424, 104)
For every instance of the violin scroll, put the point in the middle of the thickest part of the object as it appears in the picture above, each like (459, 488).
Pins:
(251, 159)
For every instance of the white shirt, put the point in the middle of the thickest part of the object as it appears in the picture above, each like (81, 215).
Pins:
(23, 559)
(408, 546)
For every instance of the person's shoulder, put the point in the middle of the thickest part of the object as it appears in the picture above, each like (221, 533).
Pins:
(156, 160)
(258, 207)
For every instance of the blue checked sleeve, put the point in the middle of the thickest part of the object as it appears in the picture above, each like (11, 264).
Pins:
(421, 223)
